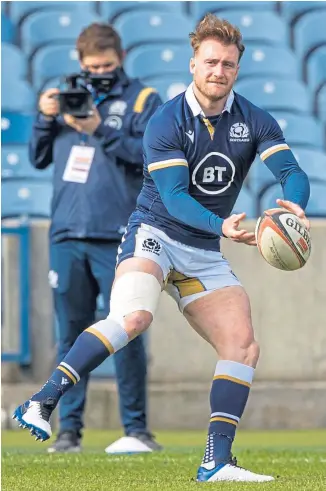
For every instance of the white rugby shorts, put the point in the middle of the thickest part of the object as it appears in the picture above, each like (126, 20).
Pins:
(189, 273)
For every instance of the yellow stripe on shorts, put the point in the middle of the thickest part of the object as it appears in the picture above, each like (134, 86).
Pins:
(186, 286)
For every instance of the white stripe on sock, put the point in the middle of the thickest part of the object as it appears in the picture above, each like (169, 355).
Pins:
(71, 370)
(235, 369)
(226, 415)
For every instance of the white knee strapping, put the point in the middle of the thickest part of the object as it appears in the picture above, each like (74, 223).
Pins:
(134, 291)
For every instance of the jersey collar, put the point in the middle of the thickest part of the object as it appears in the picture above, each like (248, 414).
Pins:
(194, 104)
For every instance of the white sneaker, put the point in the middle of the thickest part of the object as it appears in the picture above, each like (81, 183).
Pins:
(228, 472)
(134, 443)
(35, 416)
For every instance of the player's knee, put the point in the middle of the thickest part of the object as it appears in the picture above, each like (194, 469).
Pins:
(137, 322)
(134, 299)
(243, 349)
(251, 354)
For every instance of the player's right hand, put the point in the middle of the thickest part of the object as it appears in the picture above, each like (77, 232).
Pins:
(230, 229)
(48, 104)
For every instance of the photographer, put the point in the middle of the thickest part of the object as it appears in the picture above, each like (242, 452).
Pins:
(97, 176)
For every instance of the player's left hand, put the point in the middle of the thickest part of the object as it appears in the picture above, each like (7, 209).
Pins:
(84, 125)
(295, 209)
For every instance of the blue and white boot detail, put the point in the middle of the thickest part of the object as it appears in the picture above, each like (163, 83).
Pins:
(230, 471)
(35, 416)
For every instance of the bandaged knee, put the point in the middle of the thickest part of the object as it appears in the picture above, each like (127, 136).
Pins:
(131, 292)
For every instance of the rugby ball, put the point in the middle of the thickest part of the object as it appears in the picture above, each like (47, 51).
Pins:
(282, 239)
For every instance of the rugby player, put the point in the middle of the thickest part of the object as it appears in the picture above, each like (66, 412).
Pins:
(198, 149)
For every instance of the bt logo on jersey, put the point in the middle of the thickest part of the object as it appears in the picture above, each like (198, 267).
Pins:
(209, 174)
(214, 174)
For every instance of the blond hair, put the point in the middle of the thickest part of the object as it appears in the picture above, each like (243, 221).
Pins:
(220, 29)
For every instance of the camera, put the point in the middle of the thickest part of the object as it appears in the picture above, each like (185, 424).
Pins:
(76, 99)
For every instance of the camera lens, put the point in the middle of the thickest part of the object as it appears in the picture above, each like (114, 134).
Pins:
(74, 101)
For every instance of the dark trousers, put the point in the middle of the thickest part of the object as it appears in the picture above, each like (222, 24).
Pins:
(85, 268)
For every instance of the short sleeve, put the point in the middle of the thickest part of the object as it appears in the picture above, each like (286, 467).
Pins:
(161, 144)
(270, 138)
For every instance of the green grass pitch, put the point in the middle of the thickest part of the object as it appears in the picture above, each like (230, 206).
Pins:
(298, 458)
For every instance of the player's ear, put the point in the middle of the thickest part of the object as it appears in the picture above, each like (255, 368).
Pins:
(237, 72)
(192, 65)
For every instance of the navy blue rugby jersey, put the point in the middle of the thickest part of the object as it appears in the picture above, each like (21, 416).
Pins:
(195, 166)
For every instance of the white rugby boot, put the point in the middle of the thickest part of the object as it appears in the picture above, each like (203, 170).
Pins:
(35, 416)
(229, 471)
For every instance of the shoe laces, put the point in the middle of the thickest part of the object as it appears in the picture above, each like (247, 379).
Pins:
(45, 408)
(234, 462)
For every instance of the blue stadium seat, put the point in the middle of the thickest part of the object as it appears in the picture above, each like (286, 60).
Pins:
(246, 202)
(53, 61)
(258, 26)
(111, 10)
(169, 87)
(268, 199)
(313, 162)
(275, 94)
(137, 28)
(321, 104)
(48, 27)
(199, 9)
(316, 67)
(13, 62)
(309, 32)
(8, 31)
(162, 59)
(307, 131)
(291, 11)
(23, 197)
(15, 127)
(13, 158)
(259, 176)
(261, 60)
(54, 82)
(19, 10)
(316, 205)
(17, 95)
(15, 164)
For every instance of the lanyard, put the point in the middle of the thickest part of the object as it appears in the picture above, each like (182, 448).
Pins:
(83, 139)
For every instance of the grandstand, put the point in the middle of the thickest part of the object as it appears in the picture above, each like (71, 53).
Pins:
(283, 70)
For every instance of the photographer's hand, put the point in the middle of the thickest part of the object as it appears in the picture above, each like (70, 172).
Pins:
(87, 125)
(48, 104)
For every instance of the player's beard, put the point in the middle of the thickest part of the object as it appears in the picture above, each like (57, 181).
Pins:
(212, 97)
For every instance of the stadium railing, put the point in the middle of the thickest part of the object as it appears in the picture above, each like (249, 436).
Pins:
(21, 353)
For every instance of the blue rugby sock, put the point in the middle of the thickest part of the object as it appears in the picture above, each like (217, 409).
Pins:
(89, 351)
(229, 395)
